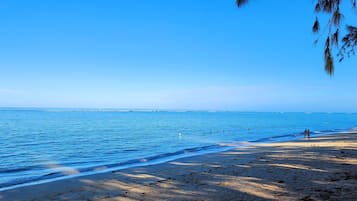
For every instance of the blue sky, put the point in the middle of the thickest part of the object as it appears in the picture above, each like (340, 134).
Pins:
(178, 54)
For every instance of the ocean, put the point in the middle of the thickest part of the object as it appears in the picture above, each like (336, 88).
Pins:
(41, 145)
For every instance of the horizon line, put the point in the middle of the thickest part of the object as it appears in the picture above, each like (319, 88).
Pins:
(127, 109)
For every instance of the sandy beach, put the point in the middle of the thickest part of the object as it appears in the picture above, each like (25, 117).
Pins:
(321, 168)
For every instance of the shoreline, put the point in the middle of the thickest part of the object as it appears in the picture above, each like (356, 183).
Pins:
(102, 169)
(168, 157)
(222, 173)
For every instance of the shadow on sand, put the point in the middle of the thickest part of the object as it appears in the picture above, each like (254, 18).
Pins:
(319, 169)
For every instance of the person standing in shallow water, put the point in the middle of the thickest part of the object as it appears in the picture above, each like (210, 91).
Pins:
(307, 133)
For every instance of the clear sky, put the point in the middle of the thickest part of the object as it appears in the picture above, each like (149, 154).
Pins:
(177, 54)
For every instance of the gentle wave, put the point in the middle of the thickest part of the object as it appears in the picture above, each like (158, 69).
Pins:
(157, 159)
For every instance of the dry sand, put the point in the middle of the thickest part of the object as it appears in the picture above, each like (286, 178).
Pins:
(323, 168)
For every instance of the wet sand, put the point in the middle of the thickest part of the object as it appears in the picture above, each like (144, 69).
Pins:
(322, 168)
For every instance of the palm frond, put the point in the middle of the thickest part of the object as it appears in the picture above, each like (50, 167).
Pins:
(329, 66)
(336, 17)
(241, 3)
(334, 38)
(327, 42)
(316, 26)
(317, 7)
(328, 57)
(349, 42)
(326, 5)
(331, 31)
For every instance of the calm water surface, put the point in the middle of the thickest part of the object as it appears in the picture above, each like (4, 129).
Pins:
(42, 144)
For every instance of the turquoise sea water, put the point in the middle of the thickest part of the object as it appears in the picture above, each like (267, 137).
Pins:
(41, 144)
